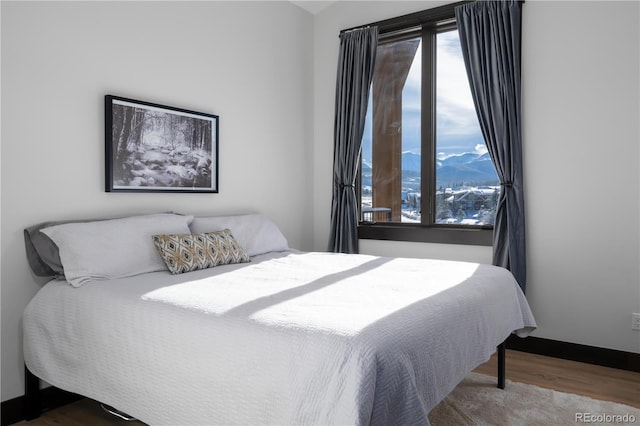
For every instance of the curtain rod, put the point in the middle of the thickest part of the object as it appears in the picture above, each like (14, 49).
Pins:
(363, 27)
(414, 19)
(417, 18)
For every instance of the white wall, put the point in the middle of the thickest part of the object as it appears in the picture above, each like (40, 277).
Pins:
(581, 138)
(249, 62)
(581, 133)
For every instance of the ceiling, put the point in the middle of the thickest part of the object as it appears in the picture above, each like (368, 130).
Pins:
(313, 6)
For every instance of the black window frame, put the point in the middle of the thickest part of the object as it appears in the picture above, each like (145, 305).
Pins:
(428, 22)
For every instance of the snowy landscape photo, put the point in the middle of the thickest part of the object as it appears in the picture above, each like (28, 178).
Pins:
(155, 148)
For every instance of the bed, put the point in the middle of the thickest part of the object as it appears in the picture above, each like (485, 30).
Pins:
(269, 335)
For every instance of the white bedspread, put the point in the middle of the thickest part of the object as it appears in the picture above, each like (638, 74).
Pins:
(290, 338)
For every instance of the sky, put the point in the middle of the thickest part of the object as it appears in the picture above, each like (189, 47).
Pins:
(457, 128)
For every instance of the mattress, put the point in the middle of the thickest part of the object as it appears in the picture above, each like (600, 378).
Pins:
(289, 338)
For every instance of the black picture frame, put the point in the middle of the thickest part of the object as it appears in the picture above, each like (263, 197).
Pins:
(158, 148)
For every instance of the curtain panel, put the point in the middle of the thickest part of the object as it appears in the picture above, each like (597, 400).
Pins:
(355, 72)
(490, 33)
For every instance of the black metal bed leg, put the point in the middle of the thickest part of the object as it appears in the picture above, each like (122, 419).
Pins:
(501, 365)
(32, 397)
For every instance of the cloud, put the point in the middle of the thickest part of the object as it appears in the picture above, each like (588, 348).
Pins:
(456, 114)
(457, 124)
(481, 149)
(412, 84)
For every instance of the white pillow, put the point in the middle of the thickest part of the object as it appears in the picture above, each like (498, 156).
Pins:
(114, 248)
(255, 232)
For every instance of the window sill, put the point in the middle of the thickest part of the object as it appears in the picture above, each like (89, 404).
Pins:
(426, 234)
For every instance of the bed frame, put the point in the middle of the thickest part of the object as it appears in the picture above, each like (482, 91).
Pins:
(33, 398)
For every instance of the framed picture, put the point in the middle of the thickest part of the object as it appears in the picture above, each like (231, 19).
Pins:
(157, 148)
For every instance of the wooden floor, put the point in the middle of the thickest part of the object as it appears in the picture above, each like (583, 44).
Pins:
(566, 376)
(608, 384)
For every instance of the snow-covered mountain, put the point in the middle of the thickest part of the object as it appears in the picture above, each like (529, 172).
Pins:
(466, 169)
(453, 171)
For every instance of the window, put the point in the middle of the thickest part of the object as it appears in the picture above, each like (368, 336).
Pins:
(425, 171)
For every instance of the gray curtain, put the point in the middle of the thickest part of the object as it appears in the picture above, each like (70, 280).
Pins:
(355, 73)
(490, 39)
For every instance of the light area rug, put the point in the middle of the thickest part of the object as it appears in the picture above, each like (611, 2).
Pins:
(477, 401)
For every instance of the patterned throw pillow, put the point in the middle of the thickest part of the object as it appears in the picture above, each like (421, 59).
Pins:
(190, 252)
